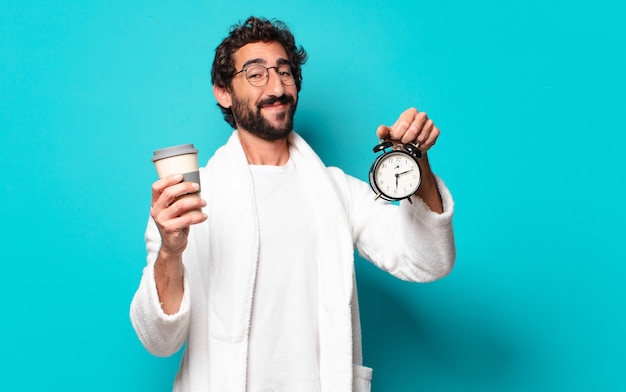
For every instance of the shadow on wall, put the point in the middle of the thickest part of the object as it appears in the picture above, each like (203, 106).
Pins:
(424, 343)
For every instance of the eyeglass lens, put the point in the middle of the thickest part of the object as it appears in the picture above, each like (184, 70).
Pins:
(258, 75)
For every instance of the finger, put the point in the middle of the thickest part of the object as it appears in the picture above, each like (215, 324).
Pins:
(179, 215)
(159, 185)
(397, 130)
(415, 128)
(425, 130)
(383, 132)
(408, 125)
(161, 209)
(402, 124)
(174, 192)
(186, 205)
(431, 140)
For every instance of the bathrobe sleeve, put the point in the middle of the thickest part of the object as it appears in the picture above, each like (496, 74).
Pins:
(160, 333)
(407, 240)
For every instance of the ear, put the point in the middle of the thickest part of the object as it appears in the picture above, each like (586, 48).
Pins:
(223, 96)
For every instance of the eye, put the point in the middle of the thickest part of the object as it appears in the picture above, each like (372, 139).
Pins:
(284, 70)
(255, 73)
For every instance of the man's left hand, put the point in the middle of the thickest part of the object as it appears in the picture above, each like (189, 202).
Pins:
(411, 127)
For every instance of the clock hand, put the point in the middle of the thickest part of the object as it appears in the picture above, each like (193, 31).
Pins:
(404, 172)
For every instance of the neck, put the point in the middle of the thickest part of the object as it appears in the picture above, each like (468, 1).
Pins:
(263, 152)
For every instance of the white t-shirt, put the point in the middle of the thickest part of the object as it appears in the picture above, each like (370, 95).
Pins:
(283, 347)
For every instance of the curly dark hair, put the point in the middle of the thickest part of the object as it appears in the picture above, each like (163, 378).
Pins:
(253, 30)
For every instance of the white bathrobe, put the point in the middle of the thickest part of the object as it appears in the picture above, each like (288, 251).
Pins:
(409, 241)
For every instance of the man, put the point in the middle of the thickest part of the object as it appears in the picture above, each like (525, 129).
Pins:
(260, 284)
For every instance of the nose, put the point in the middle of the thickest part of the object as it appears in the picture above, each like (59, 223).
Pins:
(274, 85)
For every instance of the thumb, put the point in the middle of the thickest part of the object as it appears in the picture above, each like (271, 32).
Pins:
(383, 132)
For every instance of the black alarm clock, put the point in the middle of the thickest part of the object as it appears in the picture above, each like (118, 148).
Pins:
(396, 173)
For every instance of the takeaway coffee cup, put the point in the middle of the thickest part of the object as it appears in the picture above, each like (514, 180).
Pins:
(182, 159)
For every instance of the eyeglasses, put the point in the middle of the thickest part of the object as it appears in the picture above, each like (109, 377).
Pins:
(258, 74)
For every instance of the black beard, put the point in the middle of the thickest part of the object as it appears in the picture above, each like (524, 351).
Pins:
(254, 122)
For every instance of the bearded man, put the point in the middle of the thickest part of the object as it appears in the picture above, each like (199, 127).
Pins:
(256, 278)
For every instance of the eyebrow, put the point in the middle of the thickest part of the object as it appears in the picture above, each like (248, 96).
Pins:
(280, 61)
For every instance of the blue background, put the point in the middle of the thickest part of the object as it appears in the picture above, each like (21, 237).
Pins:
(530, 99)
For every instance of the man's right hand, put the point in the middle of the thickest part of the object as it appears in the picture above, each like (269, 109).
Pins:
(174, 215)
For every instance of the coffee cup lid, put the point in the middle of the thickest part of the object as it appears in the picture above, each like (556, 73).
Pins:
(173, 151)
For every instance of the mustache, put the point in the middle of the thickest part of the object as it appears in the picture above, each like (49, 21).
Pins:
(283, 99)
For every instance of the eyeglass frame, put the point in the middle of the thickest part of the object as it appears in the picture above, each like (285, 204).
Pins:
(267, 73)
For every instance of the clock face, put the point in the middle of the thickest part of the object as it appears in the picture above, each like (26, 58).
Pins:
(396, 175)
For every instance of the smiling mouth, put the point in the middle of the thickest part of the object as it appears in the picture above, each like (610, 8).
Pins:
(274, 105)
(276, 102)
